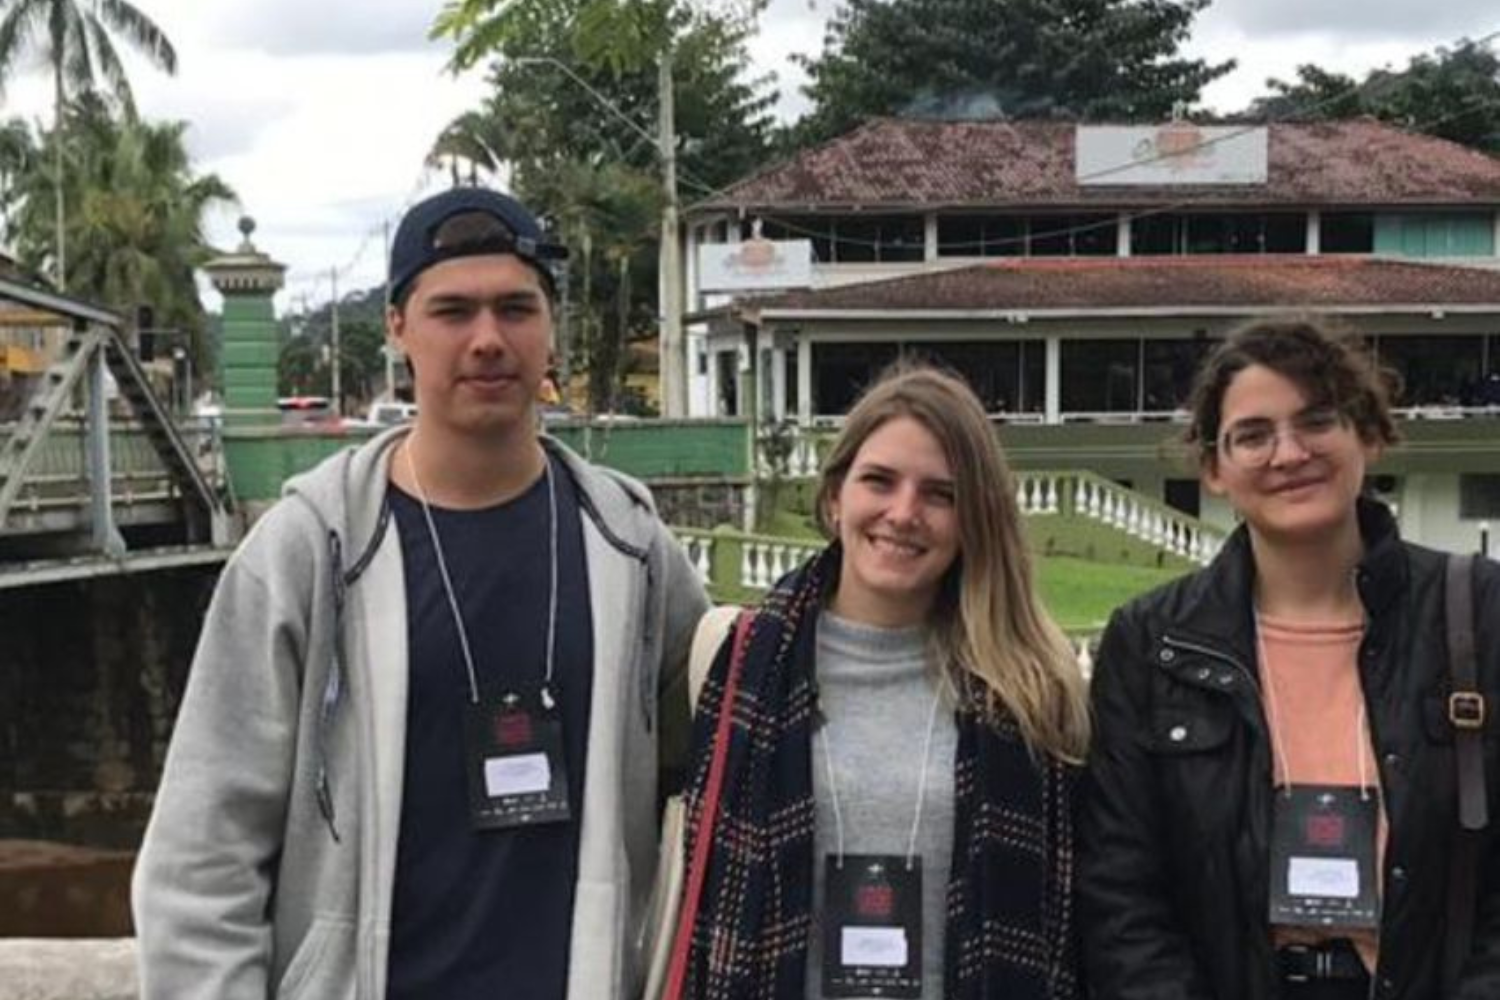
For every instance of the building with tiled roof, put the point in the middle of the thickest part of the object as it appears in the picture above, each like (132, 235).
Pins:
(1076, 274)
(891, 162)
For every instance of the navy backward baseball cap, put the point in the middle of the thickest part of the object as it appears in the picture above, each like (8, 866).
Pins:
(467, 222)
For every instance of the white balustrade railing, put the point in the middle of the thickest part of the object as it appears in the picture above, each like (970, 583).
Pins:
(1098, 499)
(700, 552)
(763, 561)
(802, 458)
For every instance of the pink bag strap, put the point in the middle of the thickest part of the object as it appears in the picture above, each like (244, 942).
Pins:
(682, 942)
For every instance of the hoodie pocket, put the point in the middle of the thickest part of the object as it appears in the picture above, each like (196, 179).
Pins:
(323, 964)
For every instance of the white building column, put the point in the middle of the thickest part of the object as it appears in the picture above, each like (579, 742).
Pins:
(1314, 232)
(804, 378)
(1053, 410)
(930, 237)
(1122, 235)
(778, 383)
(691, 296)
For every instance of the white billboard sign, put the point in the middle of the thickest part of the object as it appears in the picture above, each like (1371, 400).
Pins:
(1166, 155)
(755, 265)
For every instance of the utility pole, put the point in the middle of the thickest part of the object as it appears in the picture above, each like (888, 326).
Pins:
(673, 364)
(338, 387)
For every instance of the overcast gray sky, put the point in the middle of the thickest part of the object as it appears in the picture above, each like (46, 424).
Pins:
(319, 112)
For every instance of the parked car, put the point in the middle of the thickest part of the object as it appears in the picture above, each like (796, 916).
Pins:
(383, 414)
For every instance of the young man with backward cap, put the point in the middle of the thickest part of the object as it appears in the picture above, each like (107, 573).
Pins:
(418, 751)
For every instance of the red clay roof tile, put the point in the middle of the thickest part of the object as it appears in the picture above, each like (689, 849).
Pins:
(1178, 283)
(898, 163)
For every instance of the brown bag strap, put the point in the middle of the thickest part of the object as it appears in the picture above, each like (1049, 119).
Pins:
(1466, 711)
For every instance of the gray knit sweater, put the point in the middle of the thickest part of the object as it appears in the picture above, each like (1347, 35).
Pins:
(876, 691)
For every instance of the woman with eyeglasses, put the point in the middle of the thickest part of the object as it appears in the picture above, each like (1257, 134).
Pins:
(1274, 805)
(894, 814)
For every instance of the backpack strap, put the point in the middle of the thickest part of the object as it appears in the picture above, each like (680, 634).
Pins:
(1467, 710)
(708, 639)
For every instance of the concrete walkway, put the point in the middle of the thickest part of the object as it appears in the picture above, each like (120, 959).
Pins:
(64, 969)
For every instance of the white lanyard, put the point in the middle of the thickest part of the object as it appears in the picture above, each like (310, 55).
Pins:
(1275, 721)
(916, 820)
(458, 618)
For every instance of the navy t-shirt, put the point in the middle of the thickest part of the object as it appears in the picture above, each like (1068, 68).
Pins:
(487, 913)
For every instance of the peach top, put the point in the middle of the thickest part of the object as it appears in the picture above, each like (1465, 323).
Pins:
(1311, 692)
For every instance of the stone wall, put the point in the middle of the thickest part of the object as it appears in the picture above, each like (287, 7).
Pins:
(89, 683)
(700, 503)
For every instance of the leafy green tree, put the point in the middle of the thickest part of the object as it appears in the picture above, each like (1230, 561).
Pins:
(1453, 94)
(301, 369)
(75, 37)
(304, 366)
(1110, 60)
(16, 150)
(134, 220)
(571, 113)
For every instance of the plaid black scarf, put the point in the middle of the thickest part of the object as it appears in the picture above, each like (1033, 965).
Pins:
(1009, 930)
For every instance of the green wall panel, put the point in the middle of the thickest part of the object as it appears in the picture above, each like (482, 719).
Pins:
(1427, 234)
(663, 449)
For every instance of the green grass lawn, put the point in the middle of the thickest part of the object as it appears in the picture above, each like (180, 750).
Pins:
(1081, 593)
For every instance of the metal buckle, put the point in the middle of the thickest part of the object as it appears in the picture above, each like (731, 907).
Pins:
(1467, 710)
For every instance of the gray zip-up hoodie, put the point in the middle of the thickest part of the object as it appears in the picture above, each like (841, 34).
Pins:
(268, 863)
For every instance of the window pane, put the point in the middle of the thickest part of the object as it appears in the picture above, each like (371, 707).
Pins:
(841, 371)
(729, 395)
(1435, 371)
(1005, 236)
(1099, 376)
(1478, 496)
(1153, 235)
(1286, 232)
(960, 236)
(1346, 232)
(1207, 234)
(1184, 495)
(902, 238)
(1170, 366)
(1096, 235)
(1050, 235)
(992, 369)
(1033, 376)
(855, 240)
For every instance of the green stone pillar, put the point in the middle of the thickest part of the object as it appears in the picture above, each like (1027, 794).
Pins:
(248, 280)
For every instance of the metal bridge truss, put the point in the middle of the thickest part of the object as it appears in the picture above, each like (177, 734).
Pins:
(93, 347)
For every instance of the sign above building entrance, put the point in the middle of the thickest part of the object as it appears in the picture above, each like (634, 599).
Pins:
(756, 264)
(1174, 154)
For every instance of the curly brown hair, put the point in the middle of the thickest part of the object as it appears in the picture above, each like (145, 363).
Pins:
(1328, 363)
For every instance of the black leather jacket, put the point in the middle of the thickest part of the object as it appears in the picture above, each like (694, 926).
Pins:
(1174, 868)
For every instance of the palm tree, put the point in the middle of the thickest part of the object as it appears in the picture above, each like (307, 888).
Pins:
(474, 137)
(75, 38)
(135, 215)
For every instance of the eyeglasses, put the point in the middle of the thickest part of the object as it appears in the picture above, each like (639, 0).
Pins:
(1251, 444)
(469, 232)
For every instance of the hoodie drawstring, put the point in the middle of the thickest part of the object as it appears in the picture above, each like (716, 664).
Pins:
(333, 688)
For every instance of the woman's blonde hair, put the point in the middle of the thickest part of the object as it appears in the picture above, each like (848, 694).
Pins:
(988, 619)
